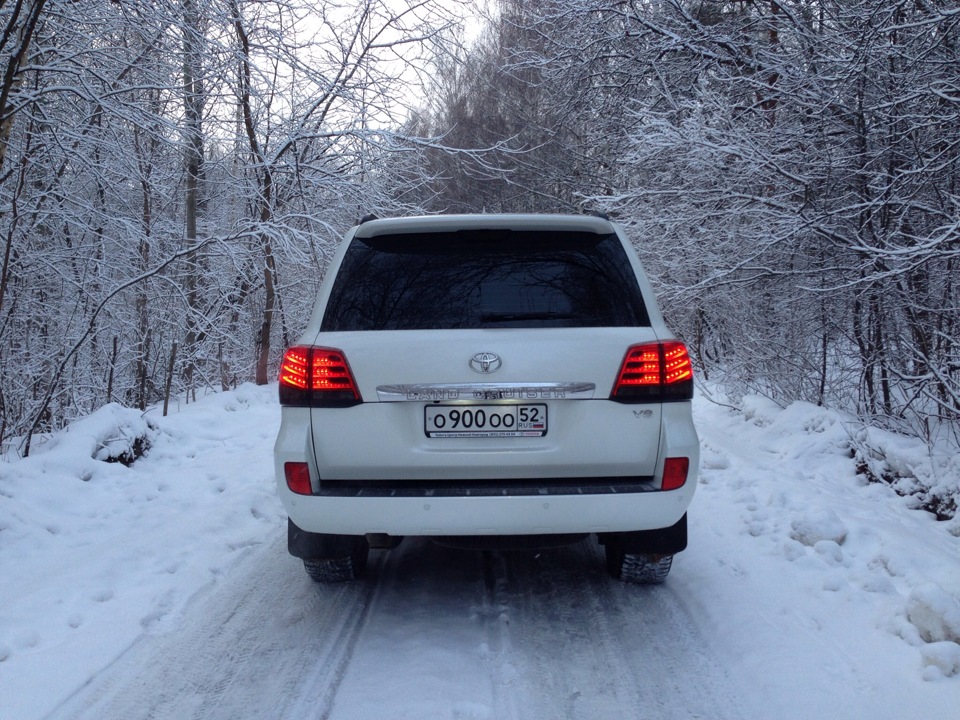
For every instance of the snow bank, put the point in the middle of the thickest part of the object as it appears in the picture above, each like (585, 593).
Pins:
(95, 552)
(852, 564)
(111, 434)
(819, 526)
(942, 659)
(929, 476)
(935, 613)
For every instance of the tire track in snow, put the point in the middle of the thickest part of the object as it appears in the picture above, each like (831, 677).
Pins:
(237, 654)
(431, 645)
(564, 646)
(329, 669)
(587, 647)
(499, 642)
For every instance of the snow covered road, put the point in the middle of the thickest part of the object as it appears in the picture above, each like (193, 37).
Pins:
(432, 633)
(164, 591)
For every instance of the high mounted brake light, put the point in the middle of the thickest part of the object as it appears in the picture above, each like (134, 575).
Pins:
(654, 372)
(317, 377)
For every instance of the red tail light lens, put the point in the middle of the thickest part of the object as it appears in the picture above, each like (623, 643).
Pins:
(677, 367)
(641, 367)
(317, 377)
(294, 370)
(655, 372)
(675, 472)
(297, 475)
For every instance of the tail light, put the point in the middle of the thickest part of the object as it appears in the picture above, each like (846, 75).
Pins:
(317, 377)
(654, 372)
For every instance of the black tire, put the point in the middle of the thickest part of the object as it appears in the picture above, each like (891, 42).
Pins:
(637, 568)
(342, 569)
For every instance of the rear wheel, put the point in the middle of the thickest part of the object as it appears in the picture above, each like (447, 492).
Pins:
(640, 568)
(339, 569)
(331, 571)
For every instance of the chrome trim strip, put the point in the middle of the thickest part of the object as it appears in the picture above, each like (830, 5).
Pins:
(439, 392)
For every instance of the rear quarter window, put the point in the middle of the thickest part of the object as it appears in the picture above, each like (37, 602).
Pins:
(485, 279)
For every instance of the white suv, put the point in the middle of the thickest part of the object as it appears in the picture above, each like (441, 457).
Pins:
(486, 380)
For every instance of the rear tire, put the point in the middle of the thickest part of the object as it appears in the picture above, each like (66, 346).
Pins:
(341, 569)
(638, 568)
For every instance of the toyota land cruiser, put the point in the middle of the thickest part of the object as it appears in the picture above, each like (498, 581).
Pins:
(486, 379)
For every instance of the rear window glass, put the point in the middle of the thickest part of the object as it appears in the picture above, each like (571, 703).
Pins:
(485, 279)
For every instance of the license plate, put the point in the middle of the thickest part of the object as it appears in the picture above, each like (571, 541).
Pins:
(460, 421)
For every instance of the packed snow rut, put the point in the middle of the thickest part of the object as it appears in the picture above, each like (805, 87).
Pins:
(431, 632)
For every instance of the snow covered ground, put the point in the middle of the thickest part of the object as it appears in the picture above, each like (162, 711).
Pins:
(163, 590)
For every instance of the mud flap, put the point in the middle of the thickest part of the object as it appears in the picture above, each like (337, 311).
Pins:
(320, 546)
(662, 541)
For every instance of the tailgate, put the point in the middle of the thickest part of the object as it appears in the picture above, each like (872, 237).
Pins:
(486, 404)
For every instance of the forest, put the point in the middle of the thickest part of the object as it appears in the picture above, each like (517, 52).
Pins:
(175, 175)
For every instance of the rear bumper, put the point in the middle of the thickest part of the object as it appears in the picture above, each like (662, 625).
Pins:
(548, 511)
(510, 515)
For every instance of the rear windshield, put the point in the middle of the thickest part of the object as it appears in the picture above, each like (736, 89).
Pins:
(485, 279)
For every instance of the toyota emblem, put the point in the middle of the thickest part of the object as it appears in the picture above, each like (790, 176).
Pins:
(485, 362)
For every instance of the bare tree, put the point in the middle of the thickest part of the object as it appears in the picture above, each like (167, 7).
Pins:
(788, 169)
(339, 102)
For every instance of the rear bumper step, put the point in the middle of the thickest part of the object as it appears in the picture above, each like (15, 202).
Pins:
(488, 488)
